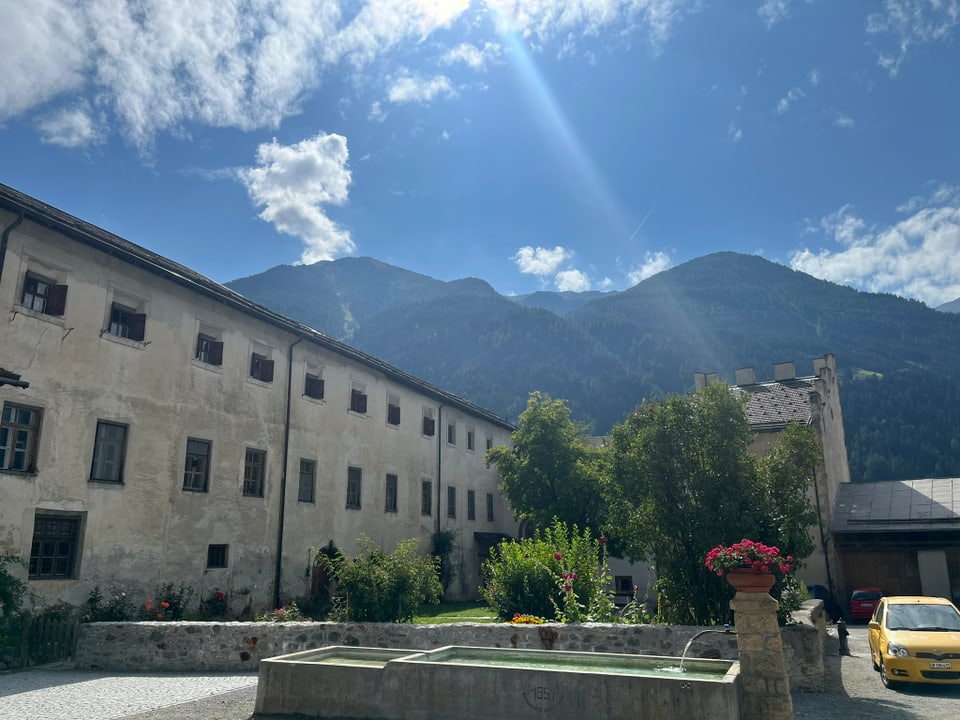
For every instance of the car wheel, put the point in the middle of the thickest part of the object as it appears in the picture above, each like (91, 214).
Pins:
(887, 682)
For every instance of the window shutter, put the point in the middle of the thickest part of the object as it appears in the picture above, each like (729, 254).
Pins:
(362, 404)
(393, 414)
(267, 370)
(428, 426)
(216, 353)
(56, 300)
(313, 387)
(137, 326)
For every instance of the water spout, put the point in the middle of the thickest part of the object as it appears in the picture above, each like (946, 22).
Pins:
(726, 630)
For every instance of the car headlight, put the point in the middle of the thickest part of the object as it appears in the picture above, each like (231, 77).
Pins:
(897, 650)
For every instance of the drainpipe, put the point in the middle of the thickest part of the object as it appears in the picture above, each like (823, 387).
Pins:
(440, 431)
(283, 476)
(823, 537)
(3, 240)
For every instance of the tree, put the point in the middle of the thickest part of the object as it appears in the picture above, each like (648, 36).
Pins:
(682, 481)
(551, 472)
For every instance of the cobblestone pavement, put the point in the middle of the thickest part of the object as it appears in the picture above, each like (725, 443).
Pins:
(854, 692)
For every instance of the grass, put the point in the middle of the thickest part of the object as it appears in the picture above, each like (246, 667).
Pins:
(453, 612)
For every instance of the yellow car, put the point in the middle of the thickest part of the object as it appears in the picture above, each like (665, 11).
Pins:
(915, 639)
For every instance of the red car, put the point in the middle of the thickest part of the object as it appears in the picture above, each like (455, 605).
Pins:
(863, 602)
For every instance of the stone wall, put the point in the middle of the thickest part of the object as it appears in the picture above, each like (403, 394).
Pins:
(232, 646)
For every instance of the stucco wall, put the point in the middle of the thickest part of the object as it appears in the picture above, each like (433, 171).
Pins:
(181, 647)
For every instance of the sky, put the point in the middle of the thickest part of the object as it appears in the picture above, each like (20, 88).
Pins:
(536, 144)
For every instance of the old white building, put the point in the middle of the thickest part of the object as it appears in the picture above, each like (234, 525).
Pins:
(175, 432)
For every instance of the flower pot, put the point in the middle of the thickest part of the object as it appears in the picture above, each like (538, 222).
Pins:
(749, 580)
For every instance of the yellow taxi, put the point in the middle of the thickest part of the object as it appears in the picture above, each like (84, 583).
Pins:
(915, 639)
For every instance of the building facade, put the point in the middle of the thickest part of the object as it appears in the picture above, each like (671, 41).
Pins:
(173, 432)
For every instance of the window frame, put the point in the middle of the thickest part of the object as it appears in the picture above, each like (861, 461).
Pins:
(451, 501)
(123, 321)
(358, 399)
(393, 410)
(69, 556)
(429, 425)
(96, 475)
(254, 472)
(13, 428)
(426, 498)
(218, 556)
(490, 507)
(53, 302)
(311, 475)
(354, 487)
(194, 474)
(208, 350)
(471, 439)
(390, 487)
(314, 386)
(261, 367)
(471, 505)
(452, 433)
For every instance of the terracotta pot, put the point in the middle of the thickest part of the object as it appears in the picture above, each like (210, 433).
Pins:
(749, 580)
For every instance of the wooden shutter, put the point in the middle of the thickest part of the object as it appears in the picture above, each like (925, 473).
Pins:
(56, 300)
(428, 426)
(215, 353)
(266, 370)
(313, 387)
(137, 328)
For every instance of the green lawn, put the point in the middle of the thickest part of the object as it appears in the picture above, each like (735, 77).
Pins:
(452, 612)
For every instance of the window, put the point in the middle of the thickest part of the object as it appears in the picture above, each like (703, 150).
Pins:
(358, 399)
(451, 434)
(426, 497)
(471, 505)
(623, 584)
(217, 556)
(43, 295)
(390, 503)
(313, 386)
(126, 322)
(19, 430)
(261, 367)
(393, 410)
(196, 466)
(209, 350)
(308, 474)
(489, 442)
(254, 470)
(470, 439)
(56, 542)
(451, 501)
(108, 451)
(429, 424)
(354, 480)
(489, 507)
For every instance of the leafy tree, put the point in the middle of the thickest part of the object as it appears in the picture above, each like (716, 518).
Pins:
(13, 591)
(550, 471)
(683, 481)
(375, 586)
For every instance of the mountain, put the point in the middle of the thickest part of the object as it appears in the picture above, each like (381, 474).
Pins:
(606, 352)
(952, 306)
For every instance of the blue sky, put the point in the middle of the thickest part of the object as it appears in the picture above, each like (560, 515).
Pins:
(537, 144)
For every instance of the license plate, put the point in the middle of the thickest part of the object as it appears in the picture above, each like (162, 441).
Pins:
(940, 666)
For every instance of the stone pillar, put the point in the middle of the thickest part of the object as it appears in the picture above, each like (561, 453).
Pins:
(763, 669)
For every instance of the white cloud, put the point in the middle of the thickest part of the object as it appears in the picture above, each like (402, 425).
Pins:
(377, 113)
(541, 261)
(917, 257)
(293, 182)
(791, 97)
(572, 281)
(472, 56)
(71, 127)
(416, 88)
(943, 194)
(906, 24)
(652, 264)
(772, 12)
(814, 77)
(843, 121)
(734, 133)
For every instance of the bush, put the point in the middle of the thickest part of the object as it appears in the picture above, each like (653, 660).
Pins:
(117, 607)
(287, 613)
(12, 593)
(379, 587)
(215, 607)
(561, 573)
(170, 603)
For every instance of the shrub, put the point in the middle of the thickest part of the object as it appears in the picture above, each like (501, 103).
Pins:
(12, 593)
(287, 613)
(378, 587)
(116, 607)
(215, 607)
(170, 603)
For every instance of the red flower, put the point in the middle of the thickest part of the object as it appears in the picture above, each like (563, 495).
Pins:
(603, 539)
(219, 595)
(164, 604)
(558, 556)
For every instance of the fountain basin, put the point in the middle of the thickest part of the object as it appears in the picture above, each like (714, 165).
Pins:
(477, 683)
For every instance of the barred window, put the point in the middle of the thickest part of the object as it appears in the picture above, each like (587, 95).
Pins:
(196, 467)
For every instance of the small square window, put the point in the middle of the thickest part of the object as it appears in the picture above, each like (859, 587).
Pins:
(451, 501)
(108, 452)
(429, 424)
(426, 498)
(390, 503)
(196, 467)
(43, 295)
(471, 435)
(209, 350)
(313, 386)
(19, 433)
(393, 410)
(358, 400)
(354, 482)
(489, 507)
(126, 322)
(254, 471)
(308, 474)
(55, 550)
(217, 556)
(451, 434)
(471, 505)
(261, 367)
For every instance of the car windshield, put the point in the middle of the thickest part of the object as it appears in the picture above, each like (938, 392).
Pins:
(866, 595)
(923, 617)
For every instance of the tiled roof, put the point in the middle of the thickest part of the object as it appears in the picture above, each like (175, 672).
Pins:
(771, 405)
(899, 505)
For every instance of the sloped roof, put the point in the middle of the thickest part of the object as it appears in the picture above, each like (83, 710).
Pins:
(771, 405)
(106, 242)
(897, 506)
